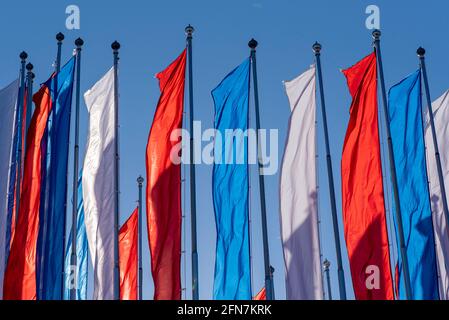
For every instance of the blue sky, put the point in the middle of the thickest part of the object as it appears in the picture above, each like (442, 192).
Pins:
(152, 35)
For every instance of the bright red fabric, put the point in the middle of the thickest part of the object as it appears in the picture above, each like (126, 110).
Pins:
(20, 274)
(127, 241)
(262, 295)
(363, 194)
(164, 184)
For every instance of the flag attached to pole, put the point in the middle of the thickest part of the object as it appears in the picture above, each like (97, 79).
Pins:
(405, 116)
(362, 188)
(441, 119)
(50, 252)
(262, 295)
(98, 184)
(77, 277)
(127, 240)
(164, 184)
(8, 105)
(298, 194)
(232, 261)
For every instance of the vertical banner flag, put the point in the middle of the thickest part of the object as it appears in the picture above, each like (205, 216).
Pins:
(405, 116)
(80, 280)
(441, 118)
(230, 187)
(127, 241)
(262, 295)
(299, 192)
(20, 275)
(8, 105)
(50, 252)
(362, 188)
(164, 184)
(98, 184)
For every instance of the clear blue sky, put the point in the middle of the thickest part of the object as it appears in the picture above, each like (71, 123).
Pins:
(152, 35)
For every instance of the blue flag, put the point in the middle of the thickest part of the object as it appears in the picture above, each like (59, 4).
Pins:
(80, 281)
(405, 116)
(50, 250)
(230, 187)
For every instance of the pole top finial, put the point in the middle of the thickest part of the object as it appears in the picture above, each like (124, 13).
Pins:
(421, 52)
(29, 67)
(326, 264)
(79, 42)
(253, 44)
(316, 47)
(23, 55)
(60, 37)
(377, 34)
(140, 180)
(115, 46)
(189, 30)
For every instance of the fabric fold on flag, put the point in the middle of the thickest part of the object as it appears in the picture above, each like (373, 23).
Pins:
(77, 277)
(127, 240)
(230, 186)
(20, 276)
(98, 184)
(441, 119)
(50, 252)
(362, 188)
(405, 116)
(299, 193)
(262, 295)
(8, 109)
(163, 193)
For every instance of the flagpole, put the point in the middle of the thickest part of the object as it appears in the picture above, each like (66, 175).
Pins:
(268, 274)
(73, 257)
(140, 181)
(115, 47)
(195, 294)
(326, 267)
(59, 38)
(29, 79)
(421, 54)
(403, 249)
(23, 56)
(341, 275)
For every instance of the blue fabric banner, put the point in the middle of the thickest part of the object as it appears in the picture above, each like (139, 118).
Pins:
(405, 116)
(230, 187)
(50, 257)
(80, 281)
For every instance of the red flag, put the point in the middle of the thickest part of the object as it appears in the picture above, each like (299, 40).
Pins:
(262, 295)
(363, 194)
(127, 241)
(164, 184)
(20, 275)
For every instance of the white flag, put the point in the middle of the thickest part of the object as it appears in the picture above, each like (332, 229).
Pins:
(298, 194)
(98, 184)
(8, 104)
(441, 119)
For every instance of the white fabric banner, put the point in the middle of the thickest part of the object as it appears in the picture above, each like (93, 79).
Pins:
(441, 119)
(298, 194)
(8, 104)
(98, 184)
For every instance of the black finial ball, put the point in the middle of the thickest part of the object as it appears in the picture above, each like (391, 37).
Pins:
(115, 46)
(140, 180)
(252, 44)
(60, 37)
(377, 34)
(316, 47)
(189, 30)
(23, 55)
(29, 67)
(79, 42)
(421, 51)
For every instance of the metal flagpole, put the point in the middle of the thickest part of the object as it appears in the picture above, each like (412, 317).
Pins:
(140, 181)
(403, 249)
(421, 53)
(195, 291)
(29, 99)
(115, 47)
(60, 38)
(326, 266)
(268, 274)
(341, 275)
(73, 257)
(23, 57)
